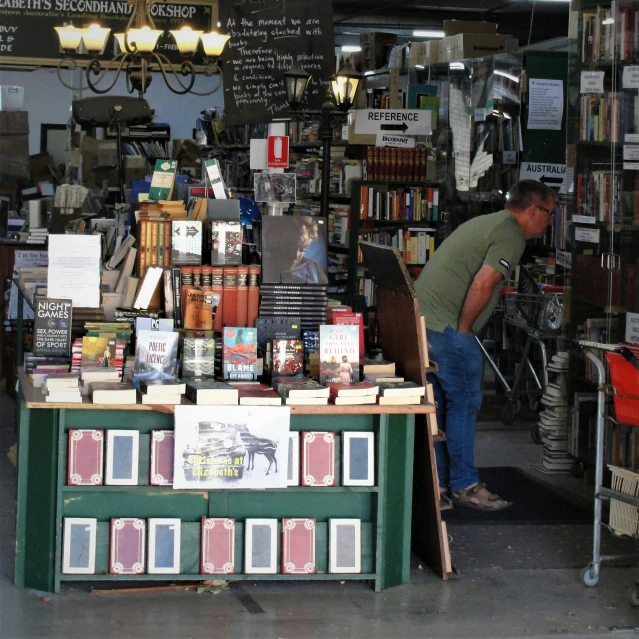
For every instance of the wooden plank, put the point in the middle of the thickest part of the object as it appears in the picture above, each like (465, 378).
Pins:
(400, 338)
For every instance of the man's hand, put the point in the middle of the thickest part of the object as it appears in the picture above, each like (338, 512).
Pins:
(478, 296)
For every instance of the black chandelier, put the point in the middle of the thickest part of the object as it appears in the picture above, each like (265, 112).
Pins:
(137, 57)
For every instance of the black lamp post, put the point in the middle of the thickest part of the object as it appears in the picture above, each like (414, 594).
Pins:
(334, 111)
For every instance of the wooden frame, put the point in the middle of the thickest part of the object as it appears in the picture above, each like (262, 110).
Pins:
(132, 480)
(293, 478)
(402, 342)
(250, 538)
(170, 524)
(341, 528)
(90, 526)
(347, 440)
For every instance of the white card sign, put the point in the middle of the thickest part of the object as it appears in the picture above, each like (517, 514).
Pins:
(630, 78)
(213, 171)
(592, 82)
(631, 152)
(587, 235)
(545, 104)
(632, 328)
(399, 141)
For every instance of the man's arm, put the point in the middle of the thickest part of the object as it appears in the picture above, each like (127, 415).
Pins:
(478, 296)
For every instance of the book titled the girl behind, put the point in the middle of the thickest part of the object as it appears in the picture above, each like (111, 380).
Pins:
(240, 353)
(339, 354)
(155, 356)
(52, 327)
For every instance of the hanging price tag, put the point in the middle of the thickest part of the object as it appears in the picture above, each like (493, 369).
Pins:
(592, 82)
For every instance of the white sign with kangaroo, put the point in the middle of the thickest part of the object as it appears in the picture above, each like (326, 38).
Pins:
(231, 447)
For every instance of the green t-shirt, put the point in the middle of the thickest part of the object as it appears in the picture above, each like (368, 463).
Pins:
(495, 239)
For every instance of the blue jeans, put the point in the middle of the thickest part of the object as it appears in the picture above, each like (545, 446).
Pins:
(457, 390)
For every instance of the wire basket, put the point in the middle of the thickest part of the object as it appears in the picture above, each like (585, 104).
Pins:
(624, 518)
(542, 311)
(625, 380)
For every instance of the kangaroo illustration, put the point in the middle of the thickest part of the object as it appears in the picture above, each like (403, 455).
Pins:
(260, 446)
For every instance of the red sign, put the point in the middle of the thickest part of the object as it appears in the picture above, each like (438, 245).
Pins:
(277, 157)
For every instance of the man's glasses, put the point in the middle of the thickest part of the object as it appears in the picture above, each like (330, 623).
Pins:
(549, 211)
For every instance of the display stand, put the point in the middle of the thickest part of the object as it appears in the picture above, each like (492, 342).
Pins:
(44, 499)
(400, 338)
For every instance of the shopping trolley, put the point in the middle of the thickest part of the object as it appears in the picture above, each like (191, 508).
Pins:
(624, 492)
(538, 313)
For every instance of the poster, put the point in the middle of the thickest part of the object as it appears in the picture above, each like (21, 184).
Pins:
(24, 258)
(546, 104)
(225, 447)
(74, 269)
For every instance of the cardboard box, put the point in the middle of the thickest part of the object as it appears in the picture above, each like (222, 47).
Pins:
(107, 153)
(14, 155)
(453, 27)
(476, 45)
(430, 51)
(447, 48)
(135, 168)
(397, 57)
(375, 49)
(416, 54)
(11, 98)
(14, 123)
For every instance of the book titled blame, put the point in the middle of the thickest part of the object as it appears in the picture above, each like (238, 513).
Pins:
(240, 353)
(339, 354)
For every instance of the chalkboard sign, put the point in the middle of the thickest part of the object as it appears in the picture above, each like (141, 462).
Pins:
(267, 38)
(27, 32)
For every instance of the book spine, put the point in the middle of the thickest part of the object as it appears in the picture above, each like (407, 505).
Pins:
(242, 296)
(160, 244)
(177, 297)
(217, 286)
(167, 243)
(168, 294)
(229, 313)
(253, 295)
(142, 249)
(154, 243)
(186, 274)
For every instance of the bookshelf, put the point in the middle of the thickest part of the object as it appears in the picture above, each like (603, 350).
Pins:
(603, 213)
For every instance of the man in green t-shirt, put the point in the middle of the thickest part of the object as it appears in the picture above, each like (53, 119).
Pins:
(457, 291)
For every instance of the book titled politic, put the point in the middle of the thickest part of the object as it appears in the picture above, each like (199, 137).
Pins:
(52, 327)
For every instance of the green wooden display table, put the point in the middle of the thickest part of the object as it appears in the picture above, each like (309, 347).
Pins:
(44, 499)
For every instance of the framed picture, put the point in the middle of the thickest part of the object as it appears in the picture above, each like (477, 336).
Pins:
(123, 449)
(298, 546)
(162, 452)
(260, 546)
(217, 556)
(274, 187)
(358, 459)
(345, 546)
(231, 447)
(128, 544)
(164, 546)
(293, 475)
(78, 551)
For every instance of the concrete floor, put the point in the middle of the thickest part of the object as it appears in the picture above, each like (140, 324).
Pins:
(488, 600)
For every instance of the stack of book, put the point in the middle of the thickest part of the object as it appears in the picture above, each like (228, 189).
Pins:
(39, 374)
(400, 393)
(37, 236)
(95, 374)
(208, 392)
(112, 393)
(301, 391)
(62, 387)
(353, 394)
(162, 391)
(379, 370)
(255, 394)
(40, 363)
(304, 301)
(553, 420)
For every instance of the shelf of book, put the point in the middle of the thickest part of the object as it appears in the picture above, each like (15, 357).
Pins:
(235, 577)
(384, 509)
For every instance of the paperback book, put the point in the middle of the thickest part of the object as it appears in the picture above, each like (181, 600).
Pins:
(339, 354)
(287, 357)
(155, 356)
(99, 351)
(52, 327)
(198, 357)
(186, 243)
(226, 243)
(240, 353)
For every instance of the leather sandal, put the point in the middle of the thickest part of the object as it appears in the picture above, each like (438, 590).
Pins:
(445, 501)
(478, 497)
